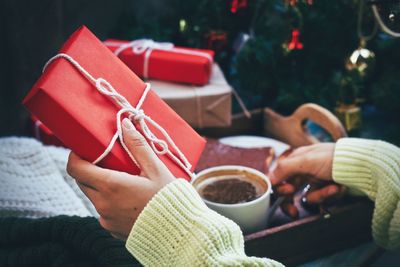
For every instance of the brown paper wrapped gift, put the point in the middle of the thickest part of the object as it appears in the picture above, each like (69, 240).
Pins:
(200, 106)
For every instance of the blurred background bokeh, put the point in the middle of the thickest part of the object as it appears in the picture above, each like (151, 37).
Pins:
(279, 53)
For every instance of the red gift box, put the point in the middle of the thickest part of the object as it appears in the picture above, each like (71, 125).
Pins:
(164, 61)
(71, 105)
(44, 134)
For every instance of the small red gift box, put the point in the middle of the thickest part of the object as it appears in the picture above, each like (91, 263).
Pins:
(77, 97)
(44, 134)
(164, 61)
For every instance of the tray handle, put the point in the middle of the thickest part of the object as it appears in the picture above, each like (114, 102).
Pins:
(292, 129)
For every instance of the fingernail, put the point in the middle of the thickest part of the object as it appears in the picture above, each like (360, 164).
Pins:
(128, 125)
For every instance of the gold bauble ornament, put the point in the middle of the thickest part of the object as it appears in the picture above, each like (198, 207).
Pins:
(362, 60)
(350, 116)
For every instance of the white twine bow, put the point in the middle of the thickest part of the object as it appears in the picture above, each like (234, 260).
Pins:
(136, 114)
(147, 46)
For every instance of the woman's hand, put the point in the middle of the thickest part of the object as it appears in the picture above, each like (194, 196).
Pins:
(305, 165)
(119, 197)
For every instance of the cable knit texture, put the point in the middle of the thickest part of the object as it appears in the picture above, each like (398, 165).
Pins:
(373, 167)
(177, 229)
(34, 182)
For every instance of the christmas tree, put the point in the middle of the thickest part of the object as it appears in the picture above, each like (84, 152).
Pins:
(283, 53)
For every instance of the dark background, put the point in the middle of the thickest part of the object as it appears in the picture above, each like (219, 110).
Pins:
(32, 31)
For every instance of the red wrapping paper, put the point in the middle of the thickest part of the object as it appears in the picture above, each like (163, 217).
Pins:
(44, 134)
(85, 120)
(168, 65)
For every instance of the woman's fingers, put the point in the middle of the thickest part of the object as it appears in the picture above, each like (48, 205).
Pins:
(289, 167)
(314, 160)
(85, 172)
(148, 161)
(119, 197)
(289, 208)
(99, 179)
(320, 195)
(285, 189)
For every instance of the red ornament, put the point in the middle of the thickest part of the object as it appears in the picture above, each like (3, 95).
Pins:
(236, 5)
(291, 2)
(295, 43)
(216, 40)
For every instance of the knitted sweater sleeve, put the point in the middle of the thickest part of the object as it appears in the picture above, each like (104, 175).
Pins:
(177, 229)
(373, 167)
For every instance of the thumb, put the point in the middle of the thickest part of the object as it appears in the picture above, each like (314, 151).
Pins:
(287, 168)
(148, 161)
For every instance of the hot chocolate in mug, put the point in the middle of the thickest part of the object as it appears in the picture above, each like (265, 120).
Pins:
(239, 193)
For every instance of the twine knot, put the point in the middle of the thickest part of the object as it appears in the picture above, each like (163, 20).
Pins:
(137, 115)
(142, 45)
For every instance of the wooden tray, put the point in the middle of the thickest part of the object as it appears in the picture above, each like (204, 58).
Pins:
(344, 225)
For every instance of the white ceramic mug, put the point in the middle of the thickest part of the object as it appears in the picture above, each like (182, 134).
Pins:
(251, 216)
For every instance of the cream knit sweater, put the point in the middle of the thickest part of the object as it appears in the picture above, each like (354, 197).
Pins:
(373, 167)
(177, 229)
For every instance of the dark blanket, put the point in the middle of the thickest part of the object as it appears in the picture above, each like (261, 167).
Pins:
(60, 241)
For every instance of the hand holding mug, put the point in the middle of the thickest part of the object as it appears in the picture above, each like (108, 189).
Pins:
(305, 165)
